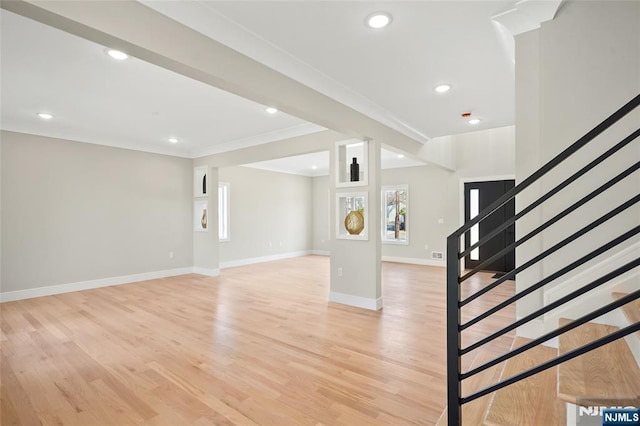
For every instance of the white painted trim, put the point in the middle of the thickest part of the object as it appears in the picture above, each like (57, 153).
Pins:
(527, 15)
(415, 261)
(357, 301)
(321, 252)
(206, 271)
(91, 284)
(262, 259)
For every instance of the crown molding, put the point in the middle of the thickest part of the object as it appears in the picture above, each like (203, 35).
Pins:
(527, 15)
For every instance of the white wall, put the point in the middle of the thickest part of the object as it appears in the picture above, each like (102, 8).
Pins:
(271, 214)
(76, 212)
(570, 75)
(320, 211)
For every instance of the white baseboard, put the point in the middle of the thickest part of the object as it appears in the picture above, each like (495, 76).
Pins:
(262, 259)
(206, 271)
(357, 301)
(91, 284)
(415, 261)
(321, 252)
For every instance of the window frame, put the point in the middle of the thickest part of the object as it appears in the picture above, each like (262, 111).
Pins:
(383, 225)
(223, 211)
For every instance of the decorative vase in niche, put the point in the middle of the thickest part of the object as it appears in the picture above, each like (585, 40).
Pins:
(355, 170)
(354, 222)
(204, 184)
(203, 221)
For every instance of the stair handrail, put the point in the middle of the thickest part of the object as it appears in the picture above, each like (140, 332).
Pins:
(455, 376)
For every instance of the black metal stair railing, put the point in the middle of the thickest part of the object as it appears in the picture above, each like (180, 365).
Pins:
(456, 279)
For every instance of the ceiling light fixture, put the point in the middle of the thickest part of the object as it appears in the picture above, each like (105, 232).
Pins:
(443, 88)
(378, 20)
(314, 167)
(400, 155)
(45, 116)
(116, 54)
(474, 121)
(173, 140)
(272, 110)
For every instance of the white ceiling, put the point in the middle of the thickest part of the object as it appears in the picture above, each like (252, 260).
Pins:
(387, 74)
(130, 104)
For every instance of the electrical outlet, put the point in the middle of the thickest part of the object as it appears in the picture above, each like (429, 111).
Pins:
(339, 272)
(441, 221)
(170, 255)
(426, 246)
(437, 255)
(270, 245)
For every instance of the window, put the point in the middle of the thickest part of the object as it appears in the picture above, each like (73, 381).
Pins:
(223, 211)
(395, 214)
(474, 209)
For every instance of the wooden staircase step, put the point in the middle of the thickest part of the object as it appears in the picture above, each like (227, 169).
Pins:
(631, 310)
(609, 372)
(531, 401)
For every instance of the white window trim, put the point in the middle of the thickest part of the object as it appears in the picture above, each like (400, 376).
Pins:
(383, 228)
(227, 209)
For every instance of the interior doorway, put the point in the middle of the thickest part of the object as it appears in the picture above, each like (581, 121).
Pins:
(477, 197)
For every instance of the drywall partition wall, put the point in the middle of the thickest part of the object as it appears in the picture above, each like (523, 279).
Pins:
(320, 211)
(355, 259)
(271, 215)
(75, 212)
(586, 63)
(486, 153)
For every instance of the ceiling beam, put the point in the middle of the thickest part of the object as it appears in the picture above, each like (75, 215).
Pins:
(148, 35)
(299, 145)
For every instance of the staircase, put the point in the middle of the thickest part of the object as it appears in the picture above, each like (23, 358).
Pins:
(584, 363)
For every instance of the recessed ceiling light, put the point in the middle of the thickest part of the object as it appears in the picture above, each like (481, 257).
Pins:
(378, 20)
(400, 155)
(474, 121)
(314, 167)
(45, 116)
(173, 140)
(443, 88)
(272, 110)
(118, 55)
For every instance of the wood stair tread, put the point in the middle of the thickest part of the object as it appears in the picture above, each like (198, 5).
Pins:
(630, 310)
(473, 412)
(609, 372)
(531, 401)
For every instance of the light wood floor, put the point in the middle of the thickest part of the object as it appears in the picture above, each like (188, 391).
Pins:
(258, 345)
